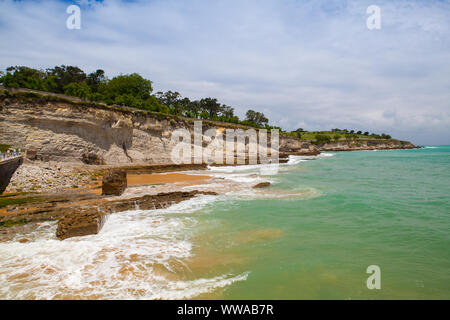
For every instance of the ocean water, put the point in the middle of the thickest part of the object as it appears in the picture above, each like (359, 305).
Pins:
(311, 235)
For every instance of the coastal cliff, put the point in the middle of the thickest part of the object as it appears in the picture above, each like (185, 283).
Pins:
(368, 144)
(73, 131)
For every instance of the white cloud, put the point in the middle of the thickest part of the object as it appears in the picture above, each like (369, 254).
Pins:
(311, 64)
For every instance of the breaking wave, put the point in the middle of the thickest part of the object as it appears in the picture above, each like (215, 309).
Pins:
(131, 258)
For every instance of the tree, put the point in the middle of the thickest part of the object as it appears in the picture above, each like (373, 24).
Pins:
(171, 100)
(78, 89)
(359, 132)
(227, 111)
(192, 108)
(123, 87)
(336, 137)
(168, 98)
(300, 130)
(96, 78)
(366, 133)
(256, 118)
(24, 77)
(322, 138)
(204, 115)
(211, 106)
(64, 75)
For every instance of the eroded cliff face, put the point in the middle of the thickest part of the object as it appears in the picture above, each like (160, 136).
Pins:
(66, 132)
(369, 144)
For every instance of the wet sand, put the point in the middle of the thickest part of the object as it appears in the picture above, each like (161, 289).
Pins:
(160, 178)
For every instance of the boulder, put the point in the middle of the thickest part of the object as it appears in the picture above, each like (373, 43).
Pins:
(31, 154)
(92, 158)
(262, 185)
(80, 222)
(114, 182)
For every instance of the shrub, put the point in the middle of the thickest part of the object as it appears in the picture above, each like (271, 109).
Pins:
(322, 138)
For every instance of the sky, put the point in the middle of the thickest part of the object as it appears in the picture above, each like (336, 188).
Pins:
(309, 64)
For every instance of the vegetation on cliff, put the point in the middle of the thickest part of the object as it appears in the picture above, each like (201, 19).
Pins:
(130, 90)
(335, 135)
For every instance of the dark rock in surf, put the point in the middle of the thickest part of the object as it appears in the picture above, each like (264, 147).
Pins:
(261, 185)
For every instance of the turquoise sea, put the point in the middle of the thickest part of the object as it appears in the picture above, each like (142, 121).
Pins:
(311, 235)
(385, 208)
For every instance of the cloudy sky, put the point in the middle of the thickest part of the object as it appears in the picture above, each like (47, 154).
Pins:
(309, 64)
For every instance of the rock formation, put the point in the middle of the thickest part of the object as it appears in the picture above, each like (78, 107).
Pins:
(261, 185)
(85, 214)
(369, 144)
(80, 222)
(114, 182)
(150, 202)
(65, 131)
(92, 158)
(85, 221)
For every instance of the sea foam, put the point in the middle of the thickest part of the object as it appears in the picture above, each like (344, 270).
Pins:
(123, 261)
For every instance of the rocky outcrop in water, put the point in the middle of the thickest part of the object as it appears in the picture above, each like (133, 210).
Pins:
(85, 221)
(261, 185)
(80, 222)
(150, 202)
(83, 212)
(114, 182)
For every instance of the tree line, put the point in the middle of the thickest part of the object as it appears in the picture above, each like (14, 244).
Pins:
(130, 90)
(374, 135)
(133, 90)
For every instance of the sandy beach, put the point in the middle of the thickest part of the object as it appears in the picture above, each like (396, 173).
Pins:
(161, 178)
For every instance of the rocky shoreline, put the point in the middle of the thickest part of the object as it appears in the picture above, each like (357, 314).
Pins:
(74, 145)
(369, 144)
(80, 213)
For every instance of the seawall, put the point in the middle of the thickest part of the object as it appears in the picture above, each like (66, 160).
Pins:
(7, 169)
